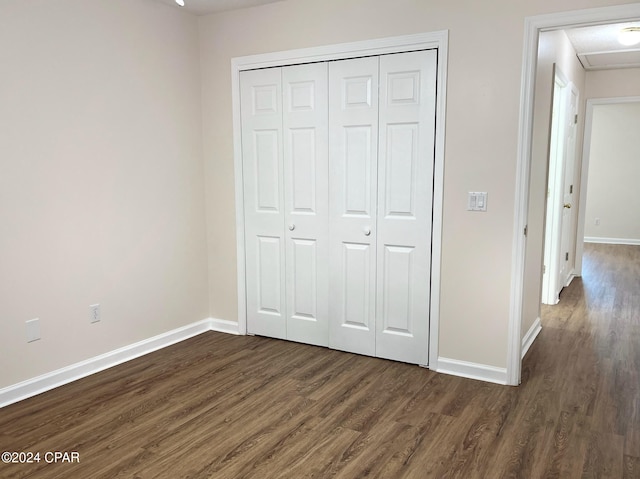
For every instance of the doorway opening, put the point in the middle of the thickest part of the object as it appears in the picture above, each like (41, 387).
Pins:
(521, 271)
(610, 170)
(560, 237)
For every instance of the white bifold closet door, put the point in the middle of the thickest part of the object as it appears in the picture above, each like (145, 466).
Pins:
(381, 137)
(284, 142)
(338, 185)
(353, 173)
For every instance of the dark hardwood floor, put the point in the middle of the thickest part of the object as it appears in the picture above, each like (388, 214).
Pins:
(221, 406)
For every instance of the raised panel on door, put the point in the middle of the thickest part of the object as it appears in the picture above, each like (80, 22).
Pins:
(261, 110)
(305, 125)
(405, 195)
(353, 141)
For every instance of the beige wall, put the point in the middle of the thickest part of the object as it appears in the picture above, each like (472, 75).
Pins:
(554, 49)
(106, 115)
(101, 178)
(483, 96)
(610, 84)
(613, 83)
(614, 169)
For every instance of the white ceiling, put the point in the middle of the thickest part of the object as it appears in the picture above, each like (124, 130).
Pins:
(598, 47)
(204, 7)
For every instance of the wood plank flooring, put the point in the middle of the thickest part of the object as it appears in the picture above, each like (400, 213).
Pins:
(221, 406)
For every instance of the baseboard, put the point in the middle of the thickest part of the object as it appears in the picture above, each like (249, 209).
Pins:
(570, 278)
(52, 380)
(481, 372)
(224, 326)
(531, 336)
(595, 239)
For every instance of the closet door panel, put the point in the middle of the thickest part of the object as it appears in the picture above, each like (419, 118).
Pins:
(405, 193)
(305, 129)
(353, 139)
(356, 268)
(261, 110)
(397, 276)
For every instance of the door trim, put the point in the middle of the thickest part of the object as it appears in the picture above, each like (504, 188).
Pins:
(532, 28)
(438, 40)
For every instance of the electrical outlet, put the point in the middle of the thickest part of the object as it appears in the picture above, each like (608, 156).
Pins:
(33, 330)
(597, 221)
(94, 313)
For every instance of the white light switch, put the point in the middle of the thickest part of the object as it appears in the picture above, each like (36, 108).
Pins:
(477, 201)
(33, 330)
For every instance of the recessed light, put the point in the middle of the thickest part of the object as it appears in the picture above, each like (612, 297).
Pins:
(180, 2)
(629, 36)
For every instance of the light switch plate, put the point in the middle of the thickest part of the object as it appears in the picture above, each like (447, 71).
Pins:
(95, 315)
(477, 201)
(33, 330)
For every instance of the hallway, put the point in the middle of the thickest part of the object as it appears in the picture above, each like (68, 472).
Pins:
(588, 356)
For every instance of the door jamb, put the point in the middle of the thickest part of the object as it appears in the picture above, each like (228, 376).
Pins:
(533, 26)
(438, 40)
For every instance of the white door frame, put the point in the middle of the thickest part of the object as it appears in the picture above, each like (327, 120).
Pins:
(533, 26)
(341, 51)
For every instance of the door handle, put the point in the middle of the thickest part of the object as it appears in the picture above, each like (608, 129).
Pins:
(367, 231)
(567, 205)
(292, 227)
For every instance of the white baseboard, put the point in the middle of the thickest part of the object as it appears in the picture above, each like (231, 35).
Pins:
(31, 387)
(570, 277)
(481, 372)
(531, 335)
(595, 239)
(224, 326)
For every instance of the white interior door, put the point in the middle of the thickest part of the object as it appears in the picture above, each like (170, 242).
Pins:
(353, 144)
(553, 220)
(559, 242)
(567, 240)
(405, 195)
(305, 126)
(261, 109)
